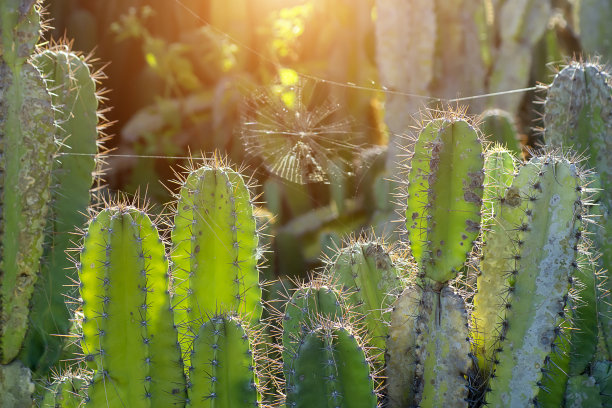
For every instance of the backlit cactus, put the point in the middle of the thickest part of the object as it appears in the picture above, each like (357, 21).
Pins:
(128, 336)
(365, 271)
(75, 102)
(444, 195)
(215, 249)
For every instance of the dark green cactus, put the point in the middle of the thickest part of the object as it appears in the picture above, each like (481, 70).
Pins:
(222, 372)
(127, 327)
(578, 115)
(330, 369)
(215, 249)
(27, 146)
(75, 101)
(67, 391)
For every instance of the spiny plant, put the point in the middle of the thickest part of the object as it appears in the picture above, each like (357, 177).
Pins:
(443, 213)
(79, 122)
(223, 368)
(215, 251)
(368, 277)
(578, 115)
(128, 332)
(330, 368)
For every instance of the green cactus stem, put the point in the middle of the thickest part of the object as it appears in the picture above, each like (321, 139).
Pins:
(330, 369)
(310, 301)
(499, 165)
(445, 189)
(548, 191)
(222, 371)
(68, 391)
(578, 114)
(367, 274)
(128, 334)
(592, 19)
(428, 349)
(27, 146)
(582, 391)
(76, 103)
(215, 251)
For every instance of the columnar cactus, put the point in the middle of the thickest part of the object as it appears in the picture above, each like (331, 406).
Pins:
(127, 327)
(75, 101)
(222, 372)
(429, 323)
(545, 203)
(330, 369)
(367, 274)
(498, 126)
(578, 115)
(308, 303)
(445, 188)
(215, 253)
(27, 147)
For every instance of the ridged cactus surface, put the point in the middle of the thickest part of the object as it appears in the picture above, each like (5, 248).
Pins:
(127, 329)
(445, 188)
(75, 101)
(371, 281)
(222, 371)
(544, 240)
(214, 249)
(27, 146)
(330, 369)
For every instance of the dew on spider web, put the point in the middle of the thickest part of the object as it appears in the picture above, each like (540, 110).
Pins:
(296, 134)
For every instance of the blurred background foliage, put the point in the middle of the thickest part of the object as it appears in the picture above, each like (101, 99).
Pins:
(181, 73)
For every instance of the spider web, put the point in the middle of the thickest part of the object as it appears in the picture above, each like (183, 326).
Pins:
(297, 134)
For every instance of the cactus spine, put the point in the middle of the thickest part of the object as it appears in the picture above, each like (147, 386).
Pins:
(215, 251)
(75, 100)
(498, 126)
(128, 336)
(222, 372)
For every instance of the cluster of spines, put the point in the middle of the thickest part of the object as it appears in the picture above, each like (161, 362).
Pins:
(127, 329)
(215, 248)
(223, 370)
(65, 391)
(532, 248)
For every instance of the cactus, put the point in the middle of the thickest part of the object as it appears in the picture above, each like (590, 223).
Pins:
(27, 146)
(520, 25)
(308, 303)
(444, 196)
(222, 371)
(128, 336)
(547, 192)
(330, 369)
(582, 391)
(578, 114)
(75, 100)
(367, 274)
(67, 391)
(498, 126)
(215, 251)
